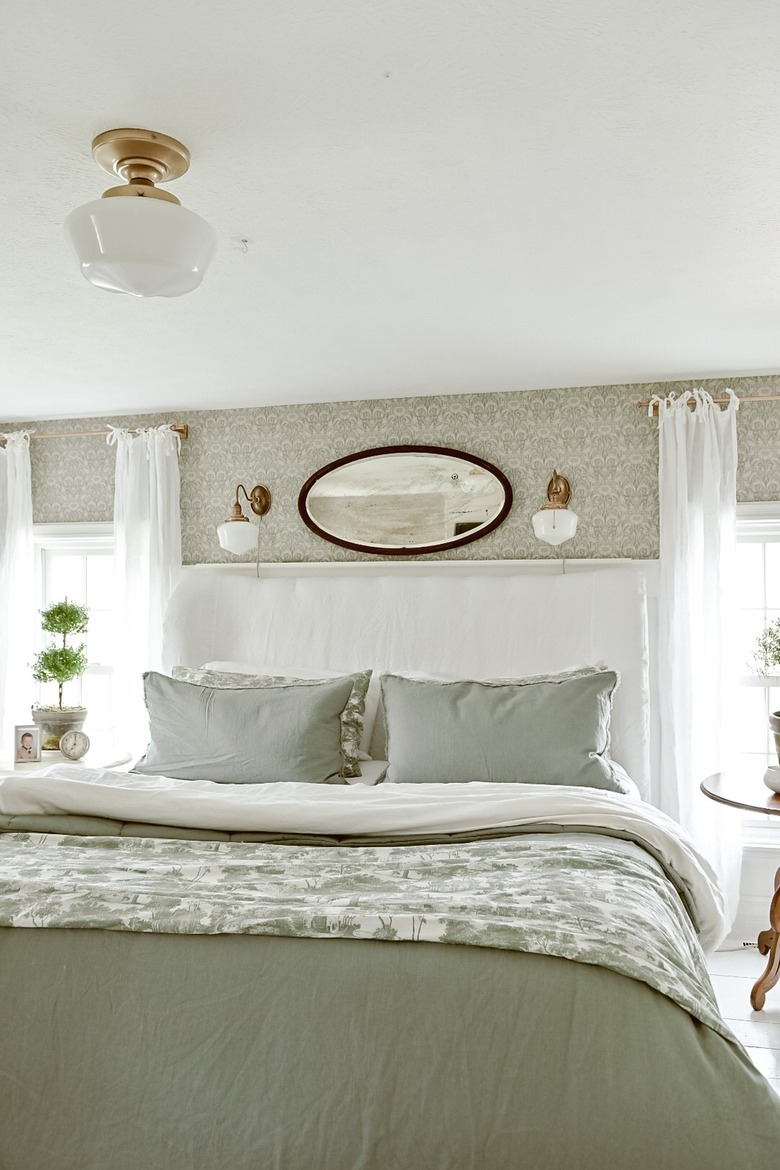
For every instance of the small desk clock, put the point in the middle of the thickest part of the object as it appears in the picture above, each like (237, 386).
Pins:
(74, 745)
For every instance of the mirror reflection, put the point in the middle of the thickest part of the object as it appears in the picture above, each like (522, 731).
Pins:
(405, 499)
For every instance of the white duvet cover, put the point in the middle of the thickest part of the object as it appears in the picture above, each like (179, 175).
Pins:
(388, 809)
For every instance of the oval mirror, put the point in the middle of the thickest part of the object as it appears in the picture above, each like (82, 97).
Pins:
(399, 501)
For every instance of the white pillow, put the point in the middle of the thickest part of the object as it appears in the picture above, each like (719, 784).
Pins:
(372, 772)
(289, 671)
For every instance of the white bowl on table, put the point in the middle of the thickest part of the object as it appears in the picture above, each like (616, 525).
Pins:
(772, 777)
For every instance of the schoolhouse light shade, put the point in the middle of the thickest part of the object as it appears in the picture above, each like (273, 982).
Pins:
(137, 239)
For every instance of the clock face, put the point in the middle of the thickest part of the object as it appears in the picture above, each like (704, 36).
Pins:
(74, 745)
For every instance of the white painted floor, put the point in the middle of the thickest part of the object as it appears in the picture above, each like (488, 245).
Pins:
(733, 974)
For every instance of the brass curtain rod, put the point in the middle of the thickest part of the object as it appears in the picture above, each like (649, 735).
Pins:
(721, 401)
(180, 429)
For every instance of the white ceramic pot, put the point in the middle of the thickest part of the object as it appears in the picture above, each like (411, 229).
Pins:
(772, 777)
(55, 721)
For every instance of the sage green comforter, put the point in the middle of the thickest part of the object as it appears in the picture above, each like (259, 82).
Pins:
(141, 1051)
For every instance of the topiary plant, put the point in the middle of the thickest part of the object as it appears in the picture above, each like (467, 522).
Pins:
(766, 656)
(61, 663)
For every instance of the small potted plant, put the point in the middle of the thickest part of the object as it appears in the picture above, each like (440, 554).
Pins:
(60, 663)
(766, 658)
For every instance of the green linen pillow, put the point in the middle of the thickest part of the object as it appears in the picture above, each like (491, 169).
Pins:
(243, 736)
(351, 717)
(551, 729)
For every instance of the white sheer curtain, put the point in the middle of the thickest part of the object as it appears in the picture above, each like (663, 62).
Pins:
(147, 557)
(17, 588)
(697, 662)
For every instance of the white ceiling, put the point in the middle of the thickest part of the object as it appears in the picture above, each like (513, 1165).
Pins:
(438, 196)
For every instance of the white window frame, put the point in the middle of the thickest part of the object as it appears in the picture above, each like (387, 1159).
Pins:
(759, 522)
(84, 536)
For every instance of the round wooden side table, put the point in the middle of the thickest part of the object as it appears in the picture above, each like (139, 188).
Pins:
(754, 796)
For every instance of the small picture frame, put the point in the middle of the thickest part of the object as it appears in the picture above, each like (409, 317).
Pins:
(27, 744)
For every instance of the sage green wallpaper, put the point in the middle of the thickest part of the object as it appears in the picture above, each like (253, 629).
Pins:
(596, 436)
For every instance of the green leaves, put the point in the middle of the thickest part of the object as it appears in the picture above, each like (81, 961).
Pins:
(62, 663)
(65, 618)
(767, 652)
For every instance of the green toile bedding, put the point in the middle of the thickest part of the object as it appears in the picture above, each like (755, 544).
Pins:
(591, 899)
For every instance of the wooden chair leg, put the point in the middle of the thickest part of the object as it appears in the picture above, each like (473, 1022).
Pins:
(769, 943)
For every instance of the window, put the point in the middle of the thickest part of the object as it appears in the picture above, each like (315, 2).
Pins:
(758, 603)
(77, 561)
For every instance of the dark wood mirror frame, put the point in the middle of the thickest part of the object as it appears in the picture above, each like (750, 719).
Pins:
(406, 550)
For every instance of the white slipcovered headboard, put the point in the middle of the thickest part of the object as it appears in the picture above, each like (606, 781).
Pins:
(448, 619)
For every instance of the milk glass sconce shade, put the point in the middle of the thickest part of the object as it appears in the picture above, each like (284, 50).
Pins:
(556, 522)
(137, 239)
(237, 534)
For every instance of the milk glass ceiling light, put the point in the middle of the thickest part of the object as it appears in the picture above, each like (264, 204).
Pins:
(237, 534)
(555, 522)
(137, 239)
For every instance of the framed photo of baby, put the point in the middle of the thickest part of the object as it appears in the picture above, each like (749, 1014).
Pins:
(27, 744)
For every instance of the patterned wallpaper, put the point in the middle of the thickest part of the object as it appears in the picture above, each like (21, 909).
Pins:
(596, 436)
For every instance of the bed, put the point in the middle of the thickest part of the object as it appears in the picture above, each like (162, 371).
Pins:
(494, 972)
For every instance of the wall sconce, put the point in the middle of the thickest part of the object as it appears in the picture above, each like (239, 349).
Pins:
(237, 534)
(145, 243)
(556, 522)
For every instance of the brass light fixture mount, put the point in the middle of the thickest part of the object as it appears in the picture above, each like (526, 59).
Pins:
(558, 491)
(142, 158)
(259, 500)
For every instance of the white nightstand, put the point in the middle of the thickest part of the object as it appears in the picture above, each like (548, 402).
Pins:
(96, 757)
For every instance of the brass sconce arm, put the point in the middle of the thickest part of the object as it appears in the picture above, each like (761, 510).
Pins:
(259, 500)
(236, 534)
